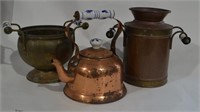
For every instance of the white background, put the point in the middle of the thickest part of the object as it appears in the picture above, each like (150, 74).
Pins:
(181, 93)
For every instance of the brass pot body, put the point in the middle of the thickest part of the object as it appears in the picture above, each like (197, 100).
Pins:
(37, 48)
(147, 47)
(96, 79)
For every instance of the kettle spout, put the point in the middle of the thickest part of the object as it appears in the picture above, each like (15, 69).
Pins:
(62, 73)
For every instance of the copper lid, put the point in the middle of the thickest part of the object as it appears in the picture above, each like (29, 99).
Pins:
(96, 51)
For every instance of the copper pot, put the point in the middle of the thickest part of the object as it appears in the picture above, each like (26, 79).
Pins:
(94, 74)
(148, 40)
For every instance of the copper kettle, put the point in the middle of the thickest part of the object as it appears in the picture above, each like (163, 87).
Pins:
(94, 74)
(96, 77)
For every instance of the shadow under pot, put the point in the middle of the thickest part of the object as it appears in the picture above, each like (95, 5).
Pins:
(37, 45)
(147, 44)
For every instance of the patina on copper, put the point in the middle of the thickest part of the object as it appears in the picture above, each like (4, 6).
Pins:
(96, 80)
(147, 45)
(94, 75)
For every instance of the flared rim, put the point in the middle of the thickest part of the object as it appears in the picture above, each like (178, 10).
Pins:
(149, 14)
(149, 9)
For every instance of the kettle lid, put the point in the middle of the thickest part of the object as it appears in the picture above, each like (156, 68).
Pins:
(96, 51)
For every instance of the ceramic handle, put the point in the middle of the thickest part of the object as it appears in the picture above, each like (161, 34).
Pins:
(6, 24)
(101, 14)
(7, 27)
(182, 36)
(94, 14)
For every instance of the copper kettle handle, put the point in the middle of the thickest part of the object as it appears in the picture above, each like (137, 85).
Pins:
(101, 14)
(119, 30)
(75, 59)
(70, 33)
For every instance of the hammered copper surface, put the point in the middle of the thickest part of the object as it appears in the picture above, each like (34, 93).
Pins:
(96, 53)
(95, 79)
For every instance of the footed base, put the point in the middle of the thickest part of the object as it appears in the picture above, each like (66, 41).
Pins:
(43, 77)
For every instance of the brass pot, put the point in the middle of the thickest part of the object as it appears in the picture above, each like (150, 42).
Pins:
(37, 45)
(147, 44)
(94, 74)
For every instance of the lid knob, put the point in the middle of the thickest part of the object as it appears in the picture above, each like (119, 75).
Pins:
(96, 43)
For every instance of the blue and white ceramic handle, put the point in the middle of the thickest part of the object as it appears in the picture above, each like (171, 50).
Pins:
(94, 14)
(101, 14)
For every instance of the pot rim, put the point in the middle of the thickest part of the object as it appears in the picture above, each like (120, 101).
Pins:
(57, 28)
(149, 9)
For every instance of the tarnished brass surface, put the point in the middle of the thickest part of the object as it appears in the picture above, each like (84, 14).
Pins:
(41, 44)
(36, 76)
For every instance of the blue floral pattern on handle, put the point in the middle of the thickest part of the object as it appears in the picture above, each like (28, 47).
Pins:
(88, 11)
(104, 11)
(96, 14)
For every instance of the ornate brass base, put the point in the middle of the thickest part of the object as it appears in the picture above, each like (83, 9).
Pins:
(95, 99)
(43, 77)
(147, 84)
